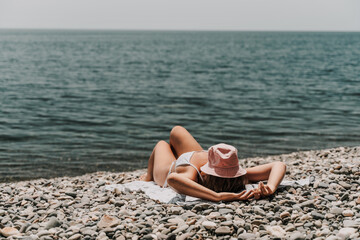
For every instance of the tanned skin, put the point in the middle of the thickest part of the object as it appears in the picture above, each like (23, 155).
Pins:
(185, 179)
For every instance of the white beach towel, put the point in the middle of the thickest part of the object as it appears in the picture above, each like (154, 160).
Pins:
(167, 195)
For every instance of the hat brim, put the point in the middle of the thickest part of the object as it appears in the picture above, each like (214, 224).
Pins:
(223, 172)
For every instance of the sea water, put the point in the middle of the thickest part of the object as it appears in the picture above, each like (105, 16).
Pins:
(73, 102)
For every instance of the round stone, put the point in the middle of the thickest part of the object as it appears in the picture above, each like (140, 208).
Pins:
(75, 236)
(223, 230)
(351, 223)
(227, 223)
(180, 229)
(308, 224)
(9, 231)
(348, 213)
(88, 231)
(330, 197)
(247, 236)
(259, 211)
(336, 210)
(275, 231)
(323, 185)
(107, 222)
(209, 225)
(297, 236)
(239, 223)
(325, 232)
(43, 233)
(345, 233)
(53, 222)
(285, 214)
(224, 211)
(317, 215)
(318, 223)
(176, 210)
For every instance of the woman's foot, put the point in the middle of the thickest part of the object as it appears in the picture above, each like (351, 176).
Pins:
(145, 178)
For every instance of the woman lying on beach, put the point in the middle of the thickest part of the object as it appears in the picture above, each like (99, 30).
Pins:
(213, 175)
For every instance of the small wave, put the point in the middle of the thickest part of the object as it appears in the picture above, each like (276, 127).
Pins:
(16, 138)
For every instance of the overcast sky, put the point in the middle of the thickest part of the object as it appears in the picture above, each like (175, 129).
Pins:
(299, 15)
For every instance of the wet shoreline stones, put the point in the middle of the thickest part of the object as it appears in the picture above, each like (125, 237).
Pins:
(79, 207)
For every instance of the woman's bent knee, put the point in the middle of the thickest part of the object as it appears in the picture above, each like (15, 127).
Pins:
(177, 132)
(162, 144)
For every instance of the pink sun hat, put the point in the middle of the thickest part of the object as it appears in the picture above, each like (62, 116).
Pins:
(223, 162)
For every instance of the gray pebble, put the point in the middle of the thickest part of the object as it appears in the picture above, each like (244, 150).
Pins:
(258, 210)
(224, 211)
(317, 215)
(88, 231)
(223, 230)
(201, 206)
(323, 185)
(330, 197)
(227, 223)
(308, 224)
(53, 222)
(25, 227)
(344, 185)
(75, 236)
(344, 197)
(336, 210)
(308, 203)
(209, 225)
(297, 236)
(332, 237)
(71, 194)
(42, 233)
(247, 236)
(176, 210)
(181, 229)
(284, 214)
(258, 222)
(348, 213)
(350, 223)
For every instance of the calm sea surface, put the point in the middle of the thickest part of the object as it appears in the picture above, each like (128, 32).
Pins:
(73, 102)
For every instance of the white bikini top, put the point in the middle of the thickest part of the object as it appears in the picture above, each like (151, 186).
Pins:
(184, 159)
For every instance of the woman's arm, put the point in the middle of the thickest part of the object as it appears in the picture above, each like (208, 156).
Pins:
(273, 172)
(183, 185)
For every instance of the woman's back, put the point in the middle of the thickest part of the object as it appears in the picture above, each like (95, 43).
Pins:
(197, 158)
(189, 163)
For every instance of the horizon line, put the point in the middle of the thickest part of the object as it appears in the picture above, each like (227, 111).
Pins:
(175, 30)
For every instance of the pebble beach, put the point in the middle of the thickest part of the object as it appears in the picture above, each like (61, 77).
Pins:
(80, 208)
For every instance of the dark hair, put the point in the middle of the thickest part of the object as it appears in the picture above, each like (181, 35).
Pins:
(219, 184)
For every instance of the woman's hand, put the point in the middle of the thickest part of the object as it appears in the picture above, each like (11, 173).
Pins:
(262, 191)
(225, 196)
(272, 172)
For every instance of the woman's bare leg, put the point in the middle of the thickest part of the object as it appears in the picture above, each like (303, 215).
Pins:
(159, 163)
(182, 141)
(148, 176)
